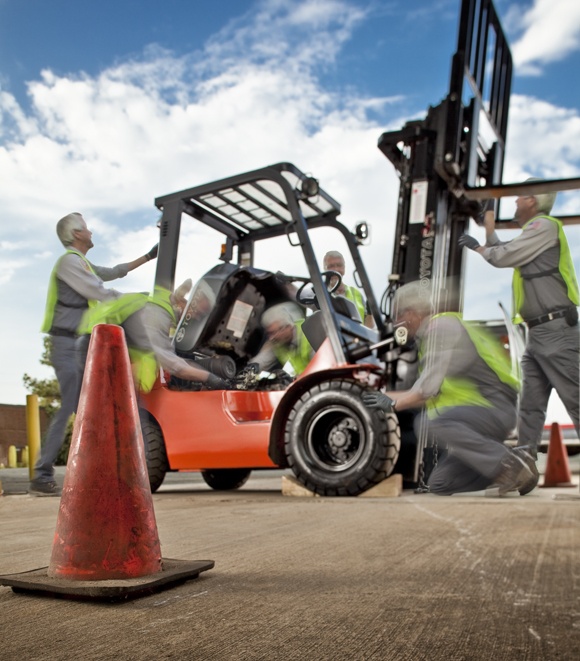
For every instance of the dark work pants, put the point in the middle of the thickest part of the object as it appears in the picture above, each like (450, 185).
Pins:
(473, 437)
(69, 375)
(550, 361)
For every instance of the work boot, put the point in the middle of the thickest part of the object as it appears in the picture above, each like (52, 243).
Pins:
(44, 489)
(513, 475)
(524, 453)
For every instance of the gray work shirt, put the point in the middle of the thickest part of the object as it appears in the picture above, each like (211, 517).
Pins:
(536, 250)
(447, 351)
(76, 285)
(266, 358)
(149, 329)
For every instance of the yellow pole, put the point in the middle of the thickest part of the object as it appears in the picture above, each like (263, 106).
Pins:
(33, 431)
(12, 457)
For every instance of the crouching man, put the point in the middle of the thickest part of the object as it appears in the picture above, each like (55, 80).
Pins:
(470, 396)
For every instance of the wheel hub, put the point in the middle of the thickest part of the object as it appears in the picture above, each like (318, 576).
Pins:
(335, 439)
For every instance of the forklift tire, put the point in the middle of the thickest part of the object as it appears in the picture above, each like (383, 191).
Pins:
(334, 445)
(226, 479)
(155, 454)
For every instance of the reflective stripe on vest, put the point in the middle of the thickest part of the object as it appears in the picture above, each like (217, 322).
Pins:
(52, 295)
(144, 367)
(457, 391)
(112, 312)
(143, 363)
(120, 309)
(565, 268)
(354, 295)
(298, 356)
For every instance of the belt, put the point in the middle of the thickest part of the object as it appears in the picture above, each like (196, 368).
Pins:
(60, 332)
(546, 317)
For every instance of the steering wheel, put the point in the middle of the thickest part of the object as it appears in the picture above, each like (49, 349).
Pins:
(328, 276)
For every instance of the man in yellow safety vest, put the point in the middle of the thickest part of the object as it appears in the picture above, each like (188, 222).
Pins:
(285, 342)
(470, 393)
(334, 261)
(75, 284)
(545, 293)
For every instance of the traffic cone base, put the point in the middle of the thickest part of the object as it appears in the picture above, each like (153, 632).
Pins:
(106, 543)
(557, 472)
(39, 582)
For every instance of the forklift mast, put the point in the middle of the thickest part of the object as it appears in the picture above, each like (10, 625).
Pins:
(459, 145)
(452, 161)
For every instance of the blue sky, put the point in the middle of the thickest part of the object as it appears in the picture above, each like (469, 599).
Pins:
(106, 105)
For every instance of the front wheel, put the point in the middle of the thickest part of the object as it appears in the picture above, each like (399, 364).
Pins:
(226, 479)
(334, 445)
(155, 453)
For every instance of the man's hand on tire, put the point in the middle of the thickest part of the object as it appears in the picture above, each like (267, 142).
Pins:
(378, 400)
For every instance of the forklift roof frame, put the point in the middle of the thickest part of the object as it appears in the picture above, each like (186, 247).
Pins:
(262, 204)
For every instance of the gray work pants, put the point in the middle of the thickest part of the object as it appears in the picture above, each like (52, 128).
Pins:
(473, 436)
(551, 360)
(69, 375)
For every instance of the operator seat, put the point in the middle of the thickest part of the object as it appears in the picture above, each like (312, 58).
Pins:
(233, 326)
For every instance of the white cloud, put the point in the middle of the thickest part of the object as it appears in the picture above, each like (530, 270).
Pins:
(107, 145)
(543, 139)
(550, 31)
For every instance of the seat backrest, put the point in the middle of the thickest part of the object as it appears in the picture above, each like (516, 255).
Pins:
(233, 326)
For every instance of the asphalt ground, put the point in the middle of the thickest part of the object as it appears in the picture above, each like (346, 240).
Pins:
(408, 578)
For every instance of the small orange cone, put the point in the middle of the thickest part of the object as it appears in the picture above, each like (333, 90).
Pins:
(557, 467)
(106, 544)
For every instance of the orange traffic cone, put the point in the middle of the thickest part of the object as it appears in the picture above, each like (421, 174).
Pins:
(106, 525)
(106, 543)
(557, 467)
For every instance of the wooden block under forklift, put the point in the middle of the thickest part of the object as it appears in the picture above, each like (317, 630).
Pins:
(392, 487)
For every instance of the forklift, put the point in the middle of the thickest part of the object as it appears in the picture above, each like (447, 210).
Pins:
(315, 424)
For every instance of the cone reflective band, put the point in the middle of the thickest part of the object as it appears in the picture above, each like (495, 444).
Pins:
(106, 526)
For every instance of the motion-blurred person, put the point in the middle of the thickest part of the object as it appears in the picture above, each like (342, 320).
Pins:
(285, 343)
(74, 285)
(334, 261)
(470, 393)
(149, 322)
(546, 297)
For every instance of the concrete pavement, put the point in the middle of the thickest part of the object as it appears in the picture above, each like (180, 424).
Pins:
(415, 577)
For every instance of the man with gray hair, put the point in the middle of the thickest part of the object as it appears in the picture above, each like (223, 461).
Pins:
(545, 292)
(285, 343)
(469, 393)
(334, 261)
(74, 284)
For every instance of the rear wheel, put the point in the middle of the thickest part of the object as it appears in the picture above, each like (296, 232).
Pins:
(334, 445)
(155, 454)
(226, 479)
